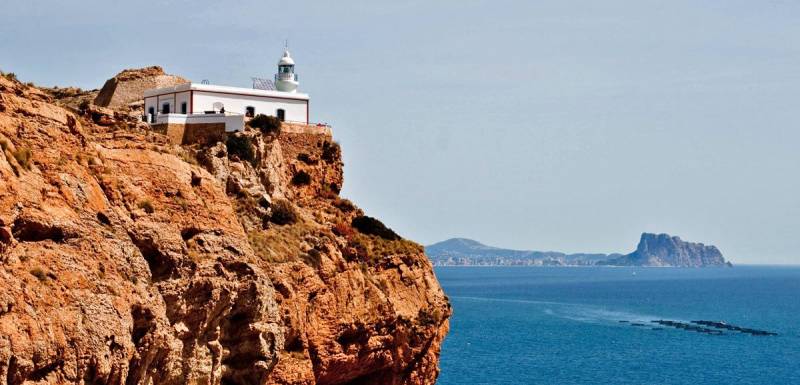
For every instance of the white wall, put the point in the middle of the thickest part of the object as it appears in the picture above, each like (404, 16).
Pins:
(296, 110)
(174, 100)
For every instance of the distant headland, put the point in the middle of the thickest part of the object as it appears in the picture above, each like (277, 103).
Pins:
(660, 250)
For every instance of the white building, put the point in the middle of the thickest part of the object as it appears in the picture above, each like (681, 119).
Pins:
(203, 104)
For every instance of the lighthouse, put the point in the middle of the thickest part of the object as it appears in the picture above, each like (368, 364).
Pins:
(286, 79)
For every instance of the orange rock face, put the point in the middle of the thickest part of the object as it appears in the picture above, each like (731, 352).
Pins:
(125, 259)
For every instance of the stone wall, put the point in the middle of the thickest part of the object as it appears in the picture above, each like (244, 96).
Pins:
(192, 133)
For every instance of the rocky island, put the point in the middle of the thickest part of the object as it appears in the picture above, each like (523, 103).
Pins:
(666, 250)
(128, 259)
(653, 250)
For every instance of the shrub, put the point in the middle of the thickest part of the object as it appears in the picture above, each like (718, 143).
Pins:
(371, 226)
(268, 125)
(305, 158)
(83, 106)
(344, 205)
(4, 144)
(331, 152)
(23, 156)
(11, 76)
(301, 178)
(283, 213)
(342, 229)
(240, 146)
(430, 317)
(39, 274)
(147, 206)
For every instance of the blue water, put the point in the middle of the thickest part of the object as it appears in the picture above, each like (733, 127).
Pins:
(539, 325)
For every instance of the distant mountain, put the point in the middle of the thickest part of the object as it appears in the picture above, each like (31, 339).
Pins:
(666, 250)
(468, 252)
(653, 250)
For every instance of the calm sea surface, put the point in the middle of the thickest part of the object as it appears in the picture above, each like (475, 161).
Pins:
(539, 325)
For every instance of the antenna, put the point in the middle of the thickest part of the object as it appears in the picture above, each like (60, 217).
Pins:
(286, 43)
(263, 84)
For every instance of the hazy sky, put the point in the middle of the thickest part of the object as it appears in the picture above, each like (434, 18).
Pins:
(551, 125)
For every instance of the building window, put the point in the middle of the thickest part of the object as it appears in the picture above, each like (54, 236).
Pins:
(281, 114)
(151, 114)
(165, 108)
(250, 111)
(183, 108)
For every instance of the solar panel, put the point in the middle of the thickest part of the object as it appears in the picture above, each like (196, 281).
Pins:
(263, 84)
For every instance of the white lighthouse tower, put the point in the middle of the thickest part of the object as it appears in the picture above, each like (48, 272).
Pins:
(286, 79)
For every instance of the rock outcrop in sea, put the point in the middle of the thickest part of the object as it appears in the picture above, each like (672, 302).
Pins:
(666, 250)
(125, 259)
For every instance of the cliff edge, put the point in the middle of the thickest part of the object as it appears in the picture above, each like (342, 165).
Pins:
(129, 260)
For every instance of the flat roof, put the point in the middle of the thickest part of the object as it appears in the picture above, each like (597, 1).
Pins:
(225, 90)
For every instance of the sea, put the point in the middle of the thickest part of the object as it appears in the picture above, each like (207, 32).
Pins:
(561, 325)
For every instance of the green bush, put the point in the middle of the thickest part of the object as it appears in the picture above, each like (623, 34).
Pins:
(301, 178)
(371, 226)
(268, 125)
(241, 146)
(283, 212)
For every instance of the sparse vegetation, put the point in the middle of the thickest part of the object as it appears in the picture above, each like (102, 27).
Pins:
(39, 274)
(188, 157)
(241, 147)
(301, 178)
(10, 76)
(371, 226)
(147, 206)
(343, 229)
(268, 125)
(4, 144)
(305, 158)
(430, 317)
(331, 152)
(344, 205)
(23, 156)
(83, 106)
(278, 245)
(283, 213)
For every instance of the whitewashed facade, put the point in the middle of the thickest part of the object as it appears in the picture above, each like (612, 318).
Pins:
(191, 103)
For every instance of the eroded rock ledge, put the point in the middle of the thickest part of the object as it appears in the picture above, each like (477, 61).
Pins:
(128, 260)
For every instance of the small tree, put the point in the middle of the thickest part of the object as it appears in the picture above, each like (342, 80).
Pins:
(268, 125)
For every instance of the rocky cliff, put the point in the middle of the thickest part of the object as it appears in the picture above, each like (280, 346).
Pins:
(666, 250)
(128, 260)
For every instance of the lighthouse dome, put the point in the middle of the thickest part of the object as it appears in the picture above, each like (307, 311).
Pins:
(286, 59)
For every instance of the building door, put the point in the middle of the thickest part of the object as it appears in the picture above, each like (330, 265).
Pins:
(151, 114)
(281, 114)
(165, 108)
